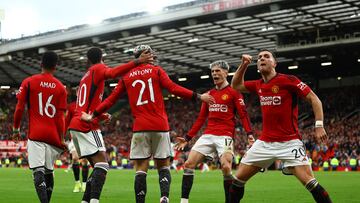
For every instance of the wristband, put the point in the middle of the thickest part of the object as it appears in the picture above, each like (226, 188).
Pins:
(319, 124)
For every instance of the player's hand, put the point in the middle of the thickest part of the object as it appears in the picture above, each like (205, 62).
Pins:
(64, 146)
(180, 143)
(146, 57)
(15, 135)
(206, 97)
(251, 140)
(246, 59)
(106, 118)
(86, 117)
(320, 135)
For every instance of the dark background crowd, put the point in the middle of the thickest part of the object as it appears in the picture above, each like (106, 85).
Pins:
(341, 111)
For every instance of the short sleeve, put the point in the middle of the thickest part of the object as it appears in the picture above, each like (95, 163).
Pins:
(298, 86)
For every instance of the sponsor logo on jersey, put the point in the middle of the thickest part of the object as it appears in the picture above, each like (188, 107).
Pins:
(218, 108)
(275, 89)
(270, 100)
(224, 97)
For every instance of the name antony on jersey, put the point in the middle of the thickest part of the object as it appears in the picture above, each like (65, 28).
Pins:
(140, 72)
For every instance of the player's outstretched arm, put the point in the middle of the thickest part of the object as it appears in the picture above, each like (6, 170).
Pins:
(237, 81)
(207, 98)
(320, 133)
(145, 57)
(105, 118)
(180, 91)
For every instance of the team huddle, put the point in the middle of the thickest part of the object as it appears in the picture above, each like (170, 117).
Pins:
(144, 82)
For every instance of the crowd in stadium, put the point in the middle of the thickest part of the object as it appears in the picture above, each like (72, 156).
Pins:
(341, 111)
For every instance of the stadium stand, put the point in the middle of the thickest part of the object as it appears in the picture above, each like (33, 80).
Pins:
(342, 114)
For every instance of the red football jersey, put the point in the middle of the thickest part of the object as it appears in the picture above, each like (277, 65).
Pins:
(221, 115)
(45, 97)
(279, 106)
(90, 93)
(70, 112)
(144, 86)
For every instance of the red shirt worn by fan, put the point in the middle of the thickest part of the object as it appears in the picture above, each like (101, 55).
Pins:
(90, 93)
(279, 106)
(221, 115)
(144, 86)
(45, 97)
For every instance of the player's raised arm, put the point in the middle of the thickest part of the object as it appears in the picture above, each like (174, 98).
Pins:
(320, 133)
(145, 57)
(237, 81)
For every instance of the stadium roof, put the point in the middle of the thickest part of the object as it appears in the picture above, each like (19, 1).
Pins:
(188, 37)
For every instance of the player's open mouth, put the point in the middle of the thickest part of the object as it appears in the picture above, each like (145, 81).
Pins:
(216, 78)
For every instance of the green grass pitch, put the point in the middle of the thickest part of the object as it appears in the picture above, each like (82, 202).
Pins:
(16, 186)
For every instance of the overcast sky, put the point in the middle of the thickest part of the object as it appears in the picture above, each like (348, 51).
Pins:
(28, 17)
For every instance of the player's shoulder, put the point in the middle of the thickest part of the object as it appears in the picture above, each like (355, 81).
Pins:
(58, 82)
(233, 91)
(287, 77)
(212, 90)
(98, 66)
(34, 77)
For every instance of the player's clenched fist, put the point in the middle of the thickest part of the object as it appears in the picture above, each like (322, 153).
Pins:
(246, 59)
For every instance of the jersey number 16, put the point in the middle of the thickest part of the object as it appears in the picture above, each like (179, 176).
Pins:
(48, 105)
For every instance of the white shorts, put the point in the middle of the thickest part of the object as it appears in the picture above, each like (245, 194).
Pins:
(263, 154)
(210, 145)
(88, 144)
(145, 144)
(41, 154)
(71, 147)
